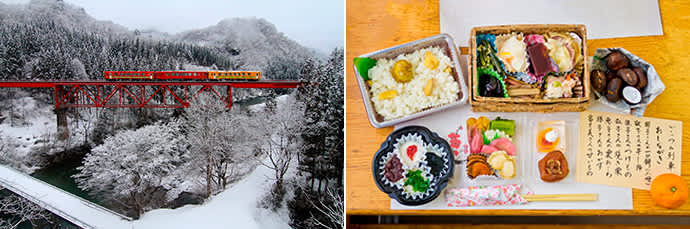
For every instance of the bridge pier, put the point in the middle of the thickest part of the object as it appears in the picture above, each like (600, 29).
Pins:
(62, 127)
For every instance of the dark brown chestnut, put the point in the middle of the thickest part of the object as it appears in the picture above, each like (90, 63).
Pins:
(616, 60)
(613, 90)
(628, 76)
(598, 79)
(610, 75)
(641, 77)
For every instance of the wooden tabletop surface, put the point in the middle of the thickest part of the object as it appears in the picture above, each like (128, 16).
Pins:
(374, 25)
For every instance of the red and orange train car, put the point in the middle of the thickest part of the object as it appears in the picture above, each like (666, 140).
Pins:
(182, 75)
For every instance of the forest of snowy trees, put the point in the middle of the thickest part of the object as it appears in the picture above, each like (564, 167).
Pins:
(138, 160)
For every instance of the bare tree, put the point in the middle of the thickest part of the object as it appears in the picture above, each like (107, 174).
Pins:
(279, 137)
(331, 206)
(21, 210)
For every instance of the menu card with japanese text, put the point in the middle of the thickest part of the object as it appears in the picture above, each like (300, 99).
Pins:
(623, 150)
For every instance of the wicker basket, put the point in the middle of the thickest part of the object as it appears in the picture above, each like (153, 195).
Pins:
(495, 104)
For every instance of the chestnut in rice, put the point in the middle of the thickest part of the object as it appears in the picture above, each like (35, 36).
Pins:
(616, 60)
(628, 76)
(613, 90)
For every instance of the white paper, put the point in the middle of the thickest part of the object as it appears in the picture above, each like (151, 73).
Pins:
(446, 121)
(603, 18)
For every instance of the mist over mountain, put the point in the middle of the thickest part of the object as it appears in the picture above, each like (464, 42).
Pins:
(48, 39)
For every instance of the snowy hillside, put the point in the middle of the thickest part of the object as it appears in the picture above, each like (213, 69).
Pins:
(258, 41)
(235, 207)
(62, 13)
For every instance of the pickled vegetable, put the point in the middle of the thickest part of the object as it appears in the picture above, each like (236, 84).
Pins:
(483, 123)
(402, 71)
(430, 60)
(388, 94)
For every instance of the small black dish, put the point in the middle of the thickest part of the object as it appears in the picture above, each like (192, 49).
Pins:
(388, 146)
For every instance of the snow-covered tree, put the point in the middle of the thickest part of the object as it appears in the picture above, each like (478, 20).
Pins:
(322, 159)
(18, 210)
(219, 142)
(278, 137)
(133, 167)
(318, 198)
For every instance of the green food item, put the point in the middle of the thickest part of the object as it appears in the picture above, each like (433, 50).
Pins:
(487, 58)
(417, 181)
(489, 136)
(505, 125)
(363, 64)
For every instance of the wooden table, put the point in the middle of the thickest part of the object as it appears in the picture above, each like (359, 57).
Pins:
(374, 25)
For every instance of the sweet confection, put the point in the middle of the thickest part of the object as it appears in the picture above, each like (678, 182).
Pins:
(492, 149)
(539, 57)
(538, 66)
(551, 136)
(553, 167)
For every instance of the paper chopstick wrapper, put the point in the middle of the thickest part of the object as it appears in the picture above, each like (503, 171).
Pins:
(485, 196)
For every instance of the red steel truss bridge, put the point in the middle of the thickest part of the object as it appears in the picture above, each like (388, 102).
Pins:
(141, 94)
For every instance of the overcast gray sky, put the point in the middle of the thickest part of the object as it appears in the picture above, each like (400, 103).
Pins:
(313, 23)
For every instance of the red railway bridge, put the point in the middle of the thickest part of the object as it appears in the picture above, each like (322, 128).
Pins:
(134, 94)
(137, 94)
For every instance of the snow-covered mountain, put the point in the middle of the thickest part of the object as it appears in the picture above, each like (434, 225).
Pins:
(256, 40)
(40, 33)
(61, 13)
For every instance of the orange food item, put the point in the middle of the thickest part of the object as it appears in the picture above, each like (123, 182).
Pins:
(477, 169)
(483, 123)
(669, 190)
(543, 145)
(471, 122)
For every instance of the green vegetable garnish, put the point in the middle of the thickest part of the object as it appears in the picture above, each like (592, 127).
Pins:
(507, 126)
(417, 181)
(363, 64)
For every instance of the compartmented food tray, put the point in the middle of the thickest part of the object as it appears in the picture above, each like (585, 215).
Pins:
(394, 165)
(447, 45)
(513, 104)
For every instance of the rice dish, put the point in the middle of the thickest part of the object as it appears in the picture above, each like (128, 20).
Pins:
(428, 87)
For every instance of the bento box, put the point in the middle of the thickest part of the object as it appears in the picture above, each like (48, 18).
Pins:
(445, 81)
(529, 68)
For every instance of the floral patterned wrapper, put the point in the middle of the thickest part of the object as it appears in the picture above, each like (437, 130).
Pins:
(485, 196)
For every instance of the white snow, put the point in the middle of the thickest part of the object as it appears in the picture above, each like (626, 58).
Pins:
(60, 202)
(40, 120)
(236, 207)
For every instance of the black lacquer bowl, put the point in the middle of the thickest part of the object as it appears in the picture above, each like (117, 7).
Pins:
(441, 173)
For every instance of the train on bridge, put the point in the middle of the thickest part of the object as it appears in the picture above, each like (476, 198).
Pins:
(182, 75)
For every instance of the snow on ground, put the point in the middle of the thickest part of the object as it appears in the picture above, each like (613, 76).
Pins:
(236, 207)
(38, 121)
(61, 202)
